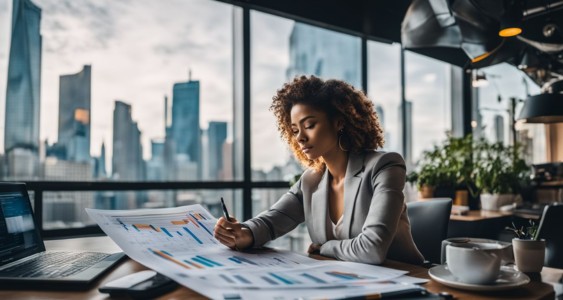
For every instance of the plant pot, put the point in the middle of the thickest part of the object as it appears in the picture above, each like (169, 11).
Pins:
(529, 254)
(426, 191)
(495, 201)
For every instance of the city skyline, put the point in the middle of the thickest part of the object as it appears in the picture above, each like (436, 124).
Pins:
(78, 33)
(99, 34)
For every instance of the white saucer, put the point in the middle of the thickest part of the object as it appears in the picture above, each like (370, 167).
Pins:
(508, 279)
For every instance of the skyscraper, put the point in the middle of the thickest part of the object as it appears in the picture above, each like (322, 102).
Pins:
(216, 136)
(23, 88)
(185, 121)
(102, 163)
(74, 114)
(127, 158)
(324, 53)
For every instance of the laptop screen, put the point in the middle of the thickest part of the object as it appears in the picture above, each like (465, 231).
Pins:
(18, 234)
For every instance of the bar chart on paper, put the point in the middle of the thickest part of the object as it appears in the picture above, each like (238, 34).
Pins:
(324, 275)
(182, 238)
(179, 243)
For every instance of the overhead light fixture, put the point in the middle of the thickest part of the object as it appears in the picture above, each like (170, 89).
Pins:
(546, 107)
(479, 80)
(511, 20)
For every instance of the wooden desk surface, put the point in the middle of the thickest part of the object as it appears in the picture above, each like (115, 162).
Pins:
(539, 288)
(480, 215)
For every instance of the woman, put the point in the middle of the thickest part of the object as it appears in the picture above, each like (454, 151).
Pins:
(350, 195)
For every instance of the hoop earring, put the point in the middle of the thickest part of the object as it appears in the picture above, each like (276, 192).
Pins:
(340, 134)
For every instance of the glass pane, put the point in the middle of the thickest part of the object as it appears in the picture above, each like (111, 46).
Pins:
(67, 209)
(492, 110)
(428, 107)
(281, 49)
(384, 89)
(129, 91)
(296, 240)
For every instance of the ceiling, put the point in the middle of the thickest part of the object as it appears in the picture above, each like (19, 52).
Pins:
(455, 31)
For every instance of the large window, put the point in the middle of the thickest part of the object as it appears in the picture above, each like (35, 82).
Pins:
(282, 49)
(428, 104)
(116, 91)
(496, 89)
(153, 97)
(384, 89)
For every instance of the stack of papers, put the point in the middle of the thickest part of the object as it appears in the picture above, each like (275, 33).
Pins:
(179, 243)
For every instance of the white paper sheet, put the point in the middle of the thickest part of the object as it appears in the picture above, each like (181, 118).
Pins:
(179, 243)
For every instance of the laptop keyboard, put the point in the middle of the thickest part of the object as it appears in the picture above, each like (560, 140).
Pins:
(54, 265)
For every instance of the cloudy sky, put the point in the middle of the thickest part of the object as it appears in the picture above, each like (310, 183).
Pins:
(139, 48)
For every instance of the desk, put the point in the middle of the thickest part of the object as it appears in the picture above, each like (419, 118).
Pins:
(483, 223)
(537, 289)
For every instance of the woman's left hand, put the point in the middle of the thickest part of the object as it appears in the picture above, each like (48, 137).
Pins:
(314, 248)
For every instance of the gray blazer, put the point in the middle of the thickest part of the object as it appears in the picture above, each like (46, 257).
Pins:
(375, 220)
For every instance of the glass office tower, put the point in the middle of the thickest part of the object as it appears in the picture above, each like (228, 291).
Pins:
(127, 159)
(216, 136)
(74, 115)
(185, 130)
(21, 136)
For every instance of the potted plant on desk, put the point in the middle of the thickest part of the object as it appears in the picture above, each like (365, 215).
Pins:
(445, 168)
(529, 252)
(499, 173)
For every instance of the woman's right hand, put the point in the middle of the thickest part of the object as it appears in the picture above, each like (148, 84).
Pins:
(232, 234)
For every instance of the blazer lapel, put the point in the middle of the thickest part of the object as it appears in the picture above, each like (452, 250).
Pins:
(319, 200)
(352, 182)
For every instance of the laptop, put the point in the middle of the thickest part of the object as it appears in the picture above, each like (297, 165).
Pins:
(24, 263)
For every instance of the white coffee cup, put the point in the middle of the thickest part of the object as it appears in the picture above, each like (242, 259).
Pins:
(474, 263)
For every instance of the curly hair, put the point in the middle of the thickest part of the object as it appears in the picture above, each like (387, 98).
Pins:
(337, 99)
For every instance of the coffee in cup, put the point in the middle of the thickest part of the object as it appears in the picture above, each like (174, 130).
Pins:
(474, 263)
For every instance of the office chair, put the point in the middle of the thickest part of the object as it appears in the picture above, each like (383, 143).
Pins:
(550, 230)
(429, 225)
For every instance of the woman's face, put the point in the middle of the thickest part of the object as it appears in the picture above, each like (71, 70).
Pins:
(314, 132)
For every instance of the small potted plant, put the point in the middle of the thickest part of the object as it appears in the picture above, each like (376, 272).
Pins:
(529, 252)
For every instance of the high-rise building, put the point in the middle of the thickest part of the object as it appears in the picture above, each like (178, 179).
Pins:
(23, 88)
(216, 136)
(155, 166)
(127, 158)
(74, 115)
(324, 53)
(103, 171)
(185, 122)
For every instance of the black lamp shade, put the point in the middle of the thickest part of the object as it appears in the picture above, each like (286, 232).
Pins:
(543, 108)
(511, 20)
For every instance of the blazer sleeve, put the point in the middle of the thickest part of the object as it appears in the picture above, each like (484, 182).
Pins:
(379, 228)
(280, 219)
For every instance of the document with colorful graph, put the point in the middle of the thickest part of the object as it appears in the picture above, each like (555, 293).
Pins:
(178, 242)
(327, 274)
(182, 239)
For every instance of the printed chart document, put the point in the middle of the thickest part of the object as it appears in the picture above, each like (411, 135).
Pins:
(178, 242)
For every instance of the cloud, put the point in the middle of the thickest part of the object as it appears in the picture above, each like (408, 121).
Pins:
(76, 26)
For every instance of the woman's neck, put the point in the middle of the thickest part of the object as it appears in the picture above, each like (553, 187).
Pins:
(336, 163)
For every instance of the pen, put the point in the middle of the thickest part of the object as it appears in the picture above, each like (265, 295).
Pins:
(225, 212)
